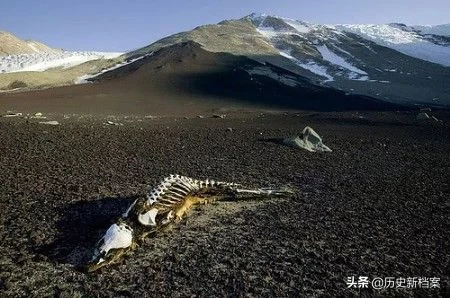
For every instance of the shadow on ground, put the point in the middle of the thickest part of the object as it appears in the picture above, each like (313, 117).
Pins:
(80, 226)
(278, 141)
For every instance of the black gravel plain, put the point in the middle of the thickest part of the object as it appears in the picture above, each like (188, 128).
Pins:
(377, 206)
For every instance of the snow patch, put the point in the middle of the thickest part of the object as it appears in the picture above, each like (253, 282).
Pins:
(443, 30)
(317, 69)
(406, 42)
(264, 71)
(333, 58)
(362, 78)
(422, 116)
(31, 45)
(84, 79)
(343, 51)
(267, 32)
(298, 26)
(287, 55)
(311, 66)
(44, 61)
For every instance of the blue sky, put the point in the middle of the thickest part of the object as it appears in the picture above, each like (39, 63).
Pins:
(122, 25)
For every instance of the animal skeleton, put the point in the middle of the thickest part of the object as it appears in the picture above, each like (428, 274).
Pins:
(165, 204)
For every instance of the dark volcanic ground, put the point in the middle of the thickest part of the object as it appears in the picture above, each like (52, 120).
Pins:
(377, 206)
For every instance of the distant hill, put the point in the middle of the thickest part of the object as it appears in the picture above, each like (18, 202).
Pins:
(186, 78)
(26, 64)
(12, 45)
(394, 62)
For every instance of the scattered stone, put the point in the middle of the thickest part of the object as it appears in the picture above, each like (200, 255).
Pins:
(309, 140)
(12, 114)
(422, 116)
(221, 116)
(150, 117)
(229, 129)
(53, 122)
(37, 237)
(38, 115)
(200, 116)
(109, 122)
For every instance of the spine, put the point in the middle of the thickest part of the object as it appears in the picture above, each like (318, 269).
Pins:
(177, 186)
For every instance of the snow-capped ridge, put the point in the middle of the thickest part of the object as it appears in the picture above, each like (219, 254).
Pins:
(443, 29)
(407, 42)
(17, 55)
(45, 61)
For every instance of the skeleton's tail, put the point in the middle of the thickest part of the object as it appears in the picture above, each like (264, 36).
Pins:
(182, 185)
(285, 191)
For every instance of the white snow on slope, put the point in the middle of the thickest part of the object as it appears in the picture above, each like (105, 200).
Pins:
(299, 26)
(333, 58)
(31, 45)
(267, 32)
(84, 79)
(344, 51)
(392, 36)
(270, 32)
(443, 30)
(263, 71)
(44, 61)
(408, 43)
(311, 66)
(317, 69)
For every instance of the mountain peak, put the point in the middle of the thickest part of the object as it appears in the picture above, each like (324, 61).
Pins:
(12, 45)
(256, 15)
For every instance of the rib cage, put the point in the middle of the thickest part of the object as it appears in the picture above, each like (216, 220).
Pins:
(175, 188)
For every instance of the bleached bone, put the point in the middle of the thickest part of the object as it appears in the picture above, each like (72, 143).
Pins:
(265, 191)
(148, 218)
(117, 236)
(309, 140)
(164, 204)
